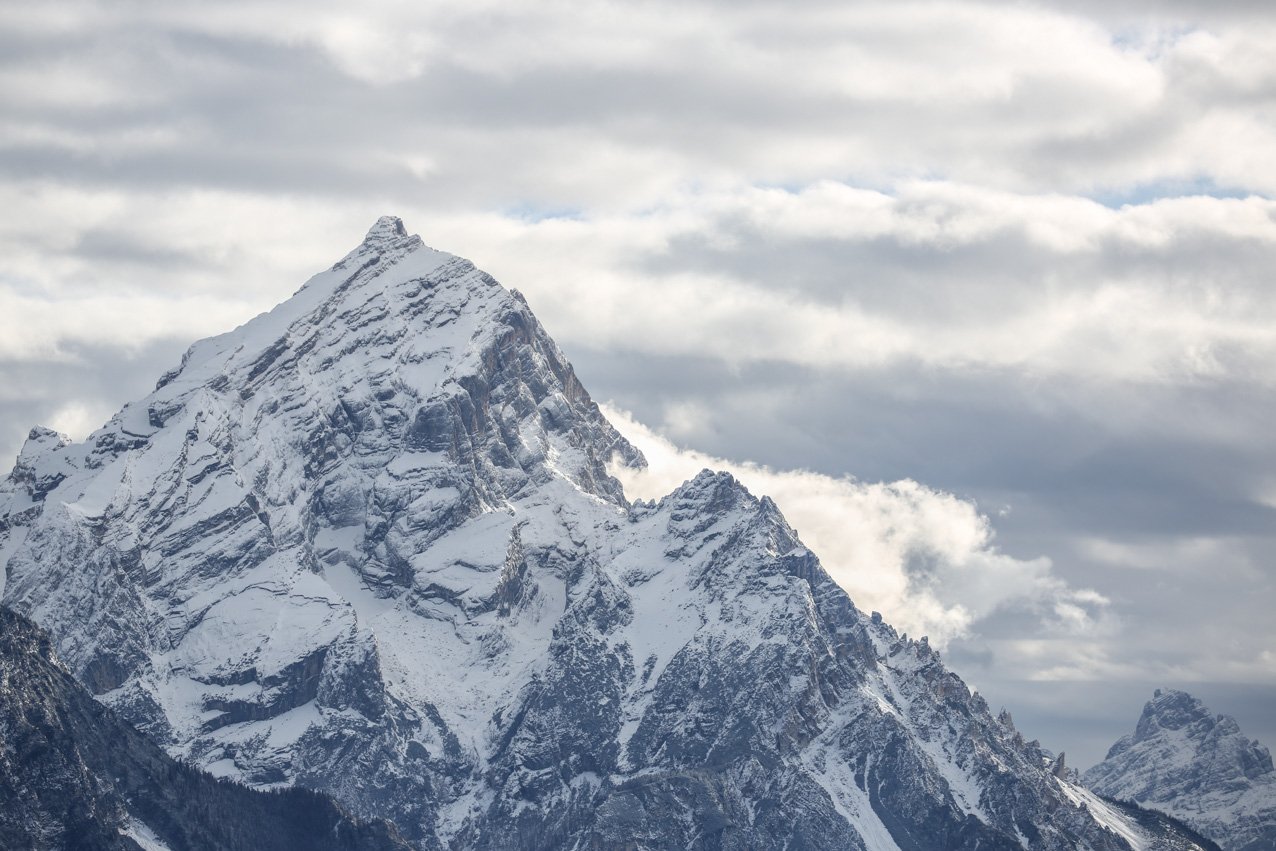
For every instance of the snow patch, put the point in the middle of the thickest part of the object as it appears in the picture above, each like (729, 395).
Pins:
(850, 799)
(1102, 812)
(141, 833)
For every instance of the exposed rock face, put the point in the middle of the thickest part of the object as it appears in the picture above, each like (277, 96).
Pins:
(1198, 767)
(74, 776)
(368, 544)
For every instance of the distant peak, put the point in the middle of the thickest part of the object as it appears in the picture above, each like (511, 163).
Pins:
(387, 228)
(1172, 699)
(1170, 709)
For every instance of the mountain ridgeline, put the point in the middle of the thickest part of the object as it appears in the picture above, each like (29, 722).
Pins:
(368, 544)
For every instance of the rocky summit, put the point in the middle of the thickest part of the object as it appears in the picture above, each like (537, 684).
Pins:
(1199, 767)
(368, 544)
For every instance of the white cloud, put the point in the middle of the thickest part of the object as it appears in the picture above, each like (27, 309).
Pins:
(78, 420)
(37, 329)
(87, 267)
(1099, 661)
(1226, 558)
(1025, 98)
(947, 276)
(923, 558)
(1164, 291)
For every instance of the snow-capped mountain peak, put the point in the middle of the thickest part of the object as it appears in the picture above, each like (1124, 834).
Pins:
(1197, 766)
(367, 542)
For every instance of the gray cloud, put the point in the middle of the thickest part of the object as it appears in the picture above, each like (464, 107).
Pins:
(1023, 98)
(78, 393)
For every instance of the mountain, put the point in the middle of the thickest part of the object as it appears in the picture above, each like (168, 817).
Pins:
(1198, 767)
(368, 544)
(74, 776)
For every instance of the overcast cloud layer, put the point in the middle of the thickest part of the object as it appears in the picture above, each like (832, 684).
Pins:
(980, 293)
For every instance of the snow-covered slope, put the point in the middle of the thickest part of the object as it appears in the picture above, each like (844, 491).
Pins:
(1198, 767)
(73, 776)
(367, 543)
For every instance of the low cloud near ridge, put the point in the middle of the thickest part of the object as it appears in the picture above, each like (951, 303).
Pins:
(924, 558)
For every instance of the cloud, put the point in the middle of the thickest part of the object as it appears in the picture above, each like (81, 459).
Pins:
(1024, 96)
(1086, 661)
(947, 276)
(600, 103)
(833, 276)
(1188, 553)
(924, 558)
(90, 267)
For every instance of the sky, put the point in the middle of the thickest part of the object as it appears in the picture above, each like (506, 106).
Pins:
(981, 293)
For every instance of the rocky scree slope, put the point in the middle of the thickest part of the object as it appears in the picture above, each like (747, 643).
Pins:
(1196, 766)
(73, 776)
(367, 543)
